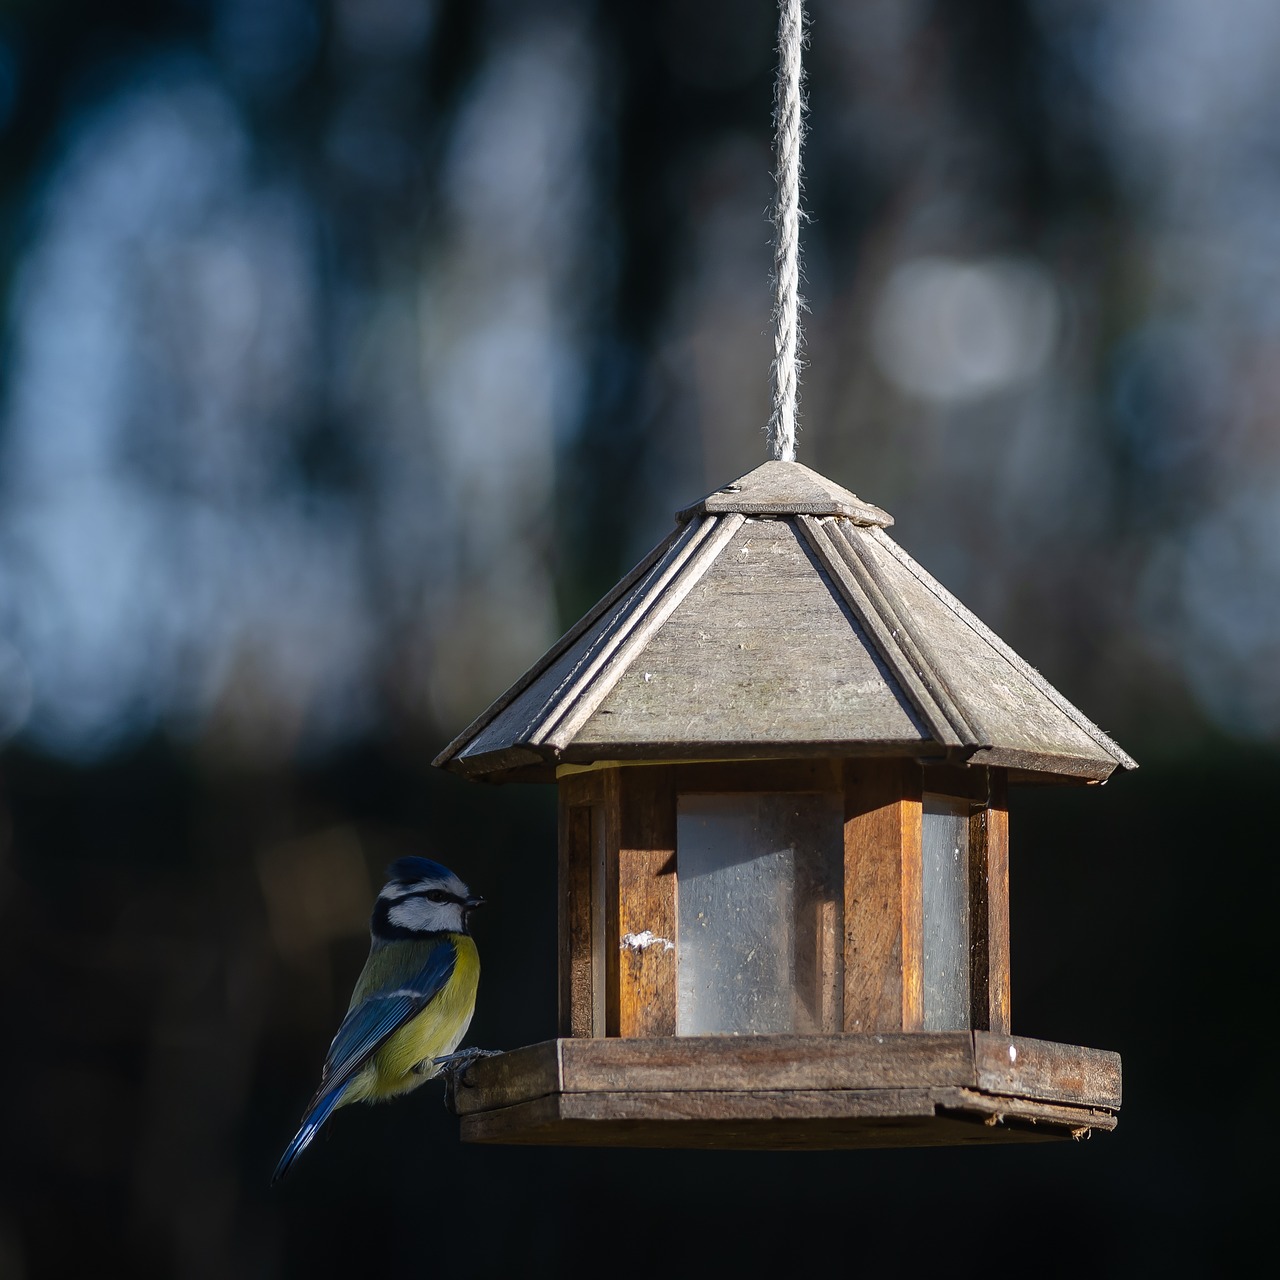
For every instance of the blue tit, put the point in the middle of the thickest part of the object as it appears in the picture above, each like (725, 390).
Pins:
(412, 1002)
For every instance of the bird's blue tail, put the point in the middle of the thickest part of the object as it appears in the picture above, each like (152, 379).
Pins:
(312, 1123)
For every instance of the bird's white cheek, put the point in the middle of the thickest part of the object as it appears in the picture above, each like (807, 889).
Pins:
(421, 916)
(411, 914)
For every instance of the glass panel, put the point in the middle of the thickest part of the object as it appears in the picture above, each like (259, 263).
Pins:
(761, 912)
(946, 913)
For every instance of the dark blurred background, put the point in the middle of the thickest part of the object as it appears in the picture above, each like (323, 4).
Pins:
(352, 348)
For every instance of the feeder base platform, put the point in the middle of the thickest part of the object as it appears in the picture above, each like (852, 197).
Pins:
(772, 1092)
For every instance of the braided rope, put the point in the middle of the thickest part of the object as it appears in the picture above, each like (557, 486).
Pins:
(787, 302)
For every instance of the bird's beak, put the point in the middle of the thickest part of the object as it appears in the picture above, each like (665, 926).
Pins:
(473, 902)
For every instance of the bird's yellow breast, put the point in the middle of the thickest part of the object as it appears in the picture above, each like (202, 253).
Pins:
(436, 1031)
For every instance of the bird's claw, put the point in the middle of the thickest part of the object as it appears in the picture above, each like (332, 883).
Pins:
(453, 1067)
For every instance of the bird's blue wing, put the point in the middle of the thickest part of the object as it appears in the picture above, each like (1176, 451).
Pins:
(382, 1012)
(378, 1014)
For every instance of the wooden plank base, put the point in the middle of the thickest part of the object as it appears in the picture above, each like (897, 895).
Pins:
(791, 1092)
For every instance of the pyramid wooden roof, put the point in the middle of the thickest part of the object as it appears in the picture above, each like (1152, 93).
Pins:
(779, 619)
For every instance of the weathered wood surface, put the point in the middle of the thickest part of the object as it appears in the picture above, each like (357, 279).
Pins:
(519, 1075)
(749, 1105)
(993, 1001)
(1033, 766)
(908, 662)
(1019, 1067)
(641, 808)
(883, 903)
(802, 1092)
(544, 708)
(1000, 1109)
(674, 1063)
(782, 1119)
(576, 976)
(619, 654)
(762, 649)
(778, 1061)
(786, 488)
(1017, 709)
(581, 805)
(679, 751)
(981, 1061)
(785, 628)
(481, 738)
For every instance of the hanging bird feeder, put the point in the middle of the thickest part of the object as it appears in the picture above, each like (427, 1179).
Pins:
(783, 753)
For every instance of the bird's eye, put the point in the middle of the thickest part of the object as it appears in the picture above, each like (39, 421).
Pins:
(435, 895)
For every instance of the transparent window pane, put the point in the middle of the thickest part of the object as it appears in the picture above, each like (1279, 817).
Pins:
(760, 913)
(946, 913)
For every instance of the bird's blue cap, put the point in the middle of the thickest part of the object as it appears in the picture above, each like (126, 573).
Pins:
(411, 870)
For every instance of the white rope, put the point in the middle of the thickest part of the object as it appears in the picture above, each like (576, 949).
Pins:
(787, 302)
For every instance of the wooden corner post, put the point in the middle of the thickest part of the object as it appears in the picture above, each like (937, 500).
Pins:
(640, 934)
(989, 898)
(883, 903)
(581, 827)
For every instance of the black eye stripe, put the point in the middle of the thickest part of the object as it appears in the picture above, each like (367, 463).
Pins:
(439, 896)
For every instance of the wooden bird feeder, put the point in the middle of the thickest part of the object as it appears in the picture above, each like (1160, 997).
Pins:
(783, 752)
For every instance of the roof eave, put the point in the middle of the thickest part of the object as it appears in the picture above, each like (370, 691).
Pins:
(520, 762)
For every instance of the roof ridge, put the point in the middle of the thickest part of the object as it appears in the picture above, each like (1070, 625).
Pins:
(654, 604)
(1019, 664)
(574, 633)
(904, 652)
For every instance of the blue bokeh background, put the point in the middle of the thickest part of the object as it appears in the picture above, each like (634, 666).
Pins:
(352, 348)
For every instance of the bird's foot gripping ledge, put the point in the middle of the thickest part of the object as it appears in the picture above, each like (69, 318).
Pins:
(454, 1066)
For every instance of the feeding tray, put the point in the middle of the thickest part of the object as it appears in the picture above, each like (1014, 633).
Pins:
(791, 1092)
(783, 753)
